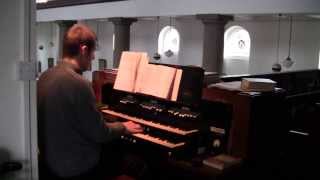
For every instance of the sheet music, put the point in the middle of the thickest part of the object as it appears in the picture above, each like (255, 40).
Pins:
(156, 80)
(140, 72)
(127, 73)
(176, 85)
(135, 74)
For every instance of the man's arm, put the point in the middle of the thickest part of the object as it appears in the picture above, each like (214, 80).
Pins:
(90, 121)
(130, 127)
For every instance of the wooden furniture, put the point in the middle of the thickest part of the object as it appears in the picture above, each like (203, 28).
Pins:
(258, 126)
(299, 126)
(256, 123)
(301, 101)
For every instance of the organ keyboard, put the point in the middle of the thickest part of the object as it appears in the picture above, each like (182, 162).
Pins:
(165, 124)
(150, 123)
(159, 141)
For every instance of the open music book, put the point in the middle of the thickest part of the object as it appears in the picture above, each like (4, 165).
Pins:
(136, 75)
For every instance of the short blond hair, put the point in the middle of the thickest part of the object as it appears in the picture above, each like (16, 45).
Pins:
(78, 34)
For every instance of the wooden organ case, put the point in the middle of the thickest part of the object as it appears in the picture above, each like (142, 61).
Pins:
(172, 128)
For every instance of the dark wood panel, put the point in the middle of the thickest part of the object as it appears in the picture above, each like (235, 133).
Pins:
(62, 3)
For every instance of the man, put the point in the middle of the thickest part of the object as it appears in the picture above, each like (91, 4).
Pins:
(71, 129)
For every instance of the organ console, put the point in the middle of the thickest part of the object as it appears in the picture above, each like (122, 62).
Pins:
(204, 120)
(175, 126)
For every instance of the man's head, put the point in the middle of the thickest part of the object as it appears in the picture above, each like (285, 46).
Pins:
(79, 43)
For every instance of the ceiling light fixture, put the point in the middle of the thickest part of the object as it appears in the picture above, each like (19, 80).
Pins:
(156, 55)
(51, 35)
(169, 52)
(276, 67)
(98, 36)
(288, 62)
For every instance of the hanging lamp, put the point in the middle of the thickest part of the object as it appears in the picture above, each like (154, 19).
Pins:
(98, 36)
(169, 52)
(156, 55)
(51, 34)
(288, 62)
(276, 67)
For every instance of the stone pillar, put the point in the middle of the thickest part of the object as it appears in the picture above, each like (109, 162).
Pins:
(121, 37)
(63, 27)
(213, 40)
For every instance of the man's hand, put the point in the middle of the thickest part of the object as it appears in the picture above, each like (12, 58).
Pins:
(132, 127)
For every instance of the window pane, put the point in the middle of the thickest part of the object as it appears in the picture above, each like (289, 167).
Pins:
(237, 43)
(169, 39)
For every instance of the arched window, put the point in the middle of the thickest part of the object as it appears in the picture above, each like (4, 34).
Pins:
(237, 43)
(169, 39)
(236, 51)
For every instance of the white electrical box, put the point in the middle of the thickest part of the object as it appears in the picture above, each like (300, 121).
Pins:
(26, 70)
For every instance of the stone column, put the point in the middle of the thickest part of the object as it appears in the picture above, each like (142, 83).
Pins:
(121, 37)
(213, 40)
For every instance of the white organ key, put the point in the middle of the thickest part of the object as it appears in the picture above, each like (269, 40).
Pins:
(158, 141)
(150, 123)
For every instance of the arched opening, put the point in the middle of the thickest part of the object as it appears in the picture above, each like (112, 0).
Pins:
(169, 40)
(236, 54)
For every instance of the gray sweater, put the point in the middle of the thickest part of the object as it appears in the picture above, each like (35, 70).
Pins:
(71, 129)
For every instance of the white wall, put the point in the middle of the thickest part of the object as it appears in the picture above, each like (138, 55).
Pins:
(263, 34)
(11, 106)
(105, 43)
(15, 125)
(306, 45)
(47, 36)
(143, 37)
(191, 42)
(138, 8)
(43, 39)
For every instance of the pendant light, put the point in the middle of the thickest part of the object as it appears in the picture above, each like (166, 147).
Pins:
(276, 67)
(102, 63)
(51, 59)
(51, 35)
(156, 55)
(51, 44)
(288, 62)
(169, 52)
(98, 36)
